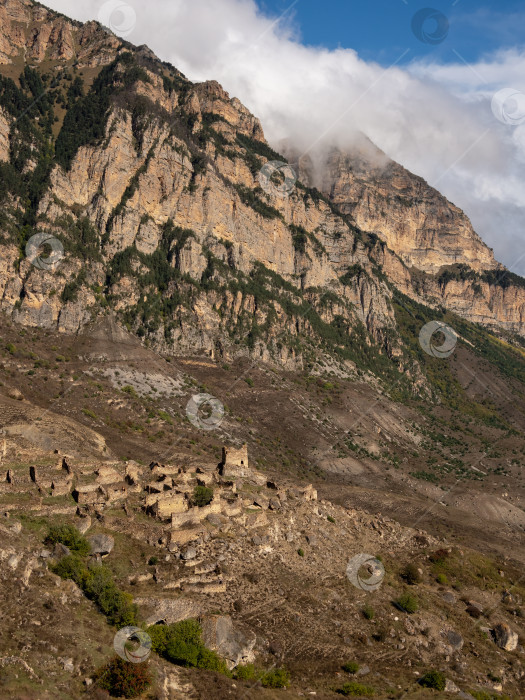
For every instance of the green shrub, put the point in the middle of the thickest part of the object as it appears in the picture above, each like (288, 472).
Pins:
(275, 678)
(153, 560)
(442, 579)
(202, 496)
(351, 667)
(354, 688)
(117, 605)
(123, 679)
(246, 672)
(68, 536)
(433, 679)
(411, 574)
(71, 567)
(408, 603)
(368, 612)
(300, 552)
(330, 519)
(181, 644)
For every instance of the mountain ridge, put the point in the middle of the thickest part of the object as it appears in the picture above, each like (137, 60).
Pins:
(142, 164)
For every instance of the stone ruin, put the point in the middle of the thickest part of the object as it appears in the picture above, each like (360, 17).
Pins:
(234, 463)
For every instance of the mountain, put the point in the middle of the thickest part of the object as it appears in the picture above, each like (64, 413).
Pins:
(157, 177)
(168, 275)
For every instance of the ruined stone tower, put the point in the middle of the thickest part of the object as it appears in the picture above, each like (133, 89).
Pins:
(234, 461)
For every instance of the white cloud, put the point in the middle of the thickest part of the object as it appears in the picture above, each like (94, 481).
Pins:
(434, 119)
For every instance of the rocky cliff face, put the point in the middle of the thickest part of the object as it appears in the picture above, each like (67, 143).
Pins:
(151, 184)
(418, 223)
(428, 233)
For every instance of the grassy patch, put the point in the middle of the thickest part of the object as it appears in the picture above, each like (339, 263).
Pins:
(407, 603)
(356, 689)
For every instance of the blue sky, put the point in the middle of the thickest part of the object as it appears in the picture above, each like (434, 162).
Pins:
(380, 30)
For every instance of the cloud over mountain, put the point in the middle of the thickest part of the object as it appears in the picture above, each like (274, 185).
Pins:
(434, 119)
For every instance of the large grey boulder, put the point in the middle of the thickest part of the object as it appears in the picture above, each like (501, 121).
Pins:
(101, 544)
(505, 637)
(229, 641)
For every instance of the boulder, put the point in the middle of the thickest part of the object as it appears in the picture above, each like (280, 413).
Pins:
(83, 524)
(16, 394)
(274, 504)
(189, 553)
(256, 520)
(455, 640)
(233, 644)
(505, 637)
(260, 500)
(101, 544)
(474, 609)
(60, 551)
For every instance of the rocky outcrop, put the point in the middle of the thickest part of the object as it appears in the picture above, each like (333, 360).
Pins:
(43, 35)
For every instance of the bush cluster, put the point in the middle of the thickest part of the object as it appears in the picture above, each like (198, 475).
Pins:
(181, 644)
(411, 574)
(123, 679)
(98, 585)
(68, 536)
(351, 667)
(408, 603)
(202, 496)
(433, 679)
